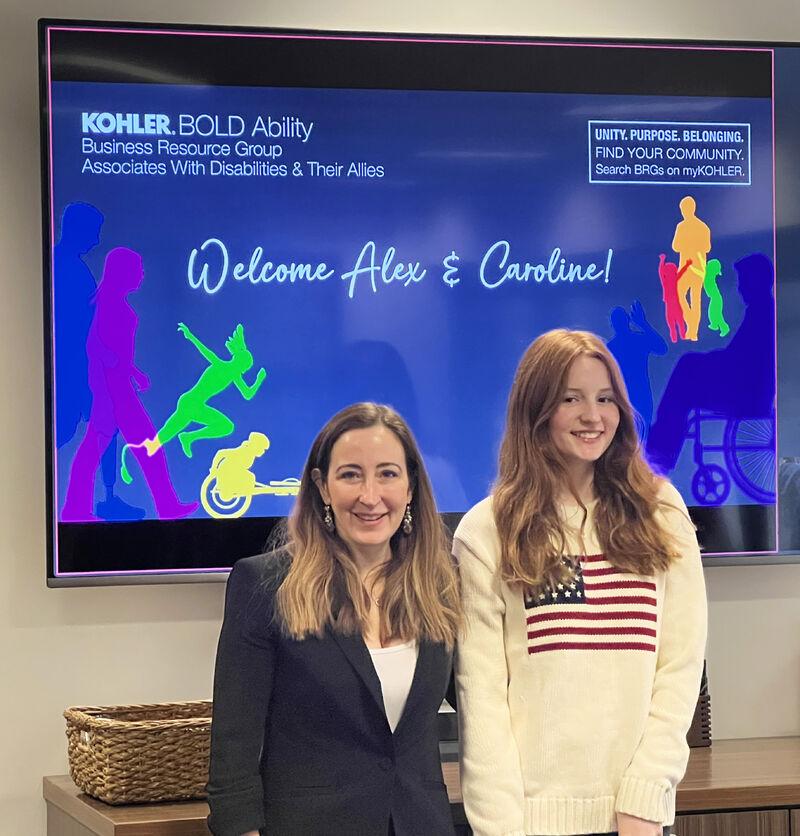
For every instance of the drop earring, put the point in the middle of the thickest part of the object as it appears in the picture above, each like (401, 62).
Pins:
(408, 521)
(327, 518)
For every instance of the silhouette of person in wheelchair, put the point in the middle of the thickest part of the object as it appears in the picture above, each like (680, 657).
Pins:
(735, 383)
(231, 466)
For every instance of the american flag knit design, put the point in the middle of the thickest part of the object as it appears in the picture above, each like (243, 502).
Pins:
(596, 607)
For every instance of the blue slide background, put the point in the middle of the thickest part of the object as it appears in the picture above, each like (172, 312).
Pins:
(463, 170)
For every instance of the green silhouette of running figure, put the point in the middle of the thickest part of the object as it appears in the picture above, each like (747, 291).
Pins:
(193, 405)
(711, 270)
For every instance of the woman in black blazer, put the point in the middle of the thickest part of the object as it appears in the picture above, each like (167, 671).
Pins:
(336, 649)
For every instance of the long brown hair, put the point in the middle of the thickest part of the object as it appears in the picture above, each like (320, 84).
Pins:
(532, 474)
(420, 598)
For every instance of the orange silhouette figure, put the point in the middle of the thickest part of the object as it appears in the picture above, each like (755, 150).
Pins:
(692, 242)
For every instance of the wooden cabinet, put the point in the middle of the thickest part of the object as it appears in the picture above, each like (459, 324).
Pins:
(733, 788)
(71, 813)
(742, 775)
(754, 823)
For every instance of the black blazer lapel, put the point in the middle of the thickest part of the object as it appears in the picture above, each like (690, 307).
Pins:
(430, 661)
(357, 654)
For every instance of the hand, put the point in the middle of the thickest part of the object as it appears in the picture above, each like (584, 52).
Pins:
(141, 380)
(638, 315)
(260, 376)
(184, 329)
(696, 270)
(86, 404)
(633, 826)
(700, 269)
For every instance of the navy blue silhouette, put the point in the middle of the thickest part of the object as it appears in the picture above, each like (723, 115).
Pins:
(632, 349)
(381, 374)
(737, 381)
(73, 291)
(73, 288)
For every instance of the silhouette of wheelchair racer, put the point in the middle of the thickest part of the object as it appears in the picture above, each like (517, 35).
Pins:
(735, 384)
(230, 486)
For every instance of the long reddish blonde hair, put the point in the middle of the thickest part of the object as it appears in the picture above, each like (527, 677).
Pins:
(532, 474)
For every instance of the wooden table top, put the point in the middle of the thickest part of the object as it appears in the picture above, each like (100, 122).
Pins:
(182, 818)
(742, 774)
(730, 775)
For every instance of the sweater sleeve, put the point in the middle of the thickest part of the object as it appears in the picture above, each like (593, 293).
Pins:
(491, 776)
(242, 686)
(648, 786)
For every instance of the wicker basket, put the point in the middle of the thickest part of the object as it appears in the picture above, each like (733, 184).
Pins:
(134, 753)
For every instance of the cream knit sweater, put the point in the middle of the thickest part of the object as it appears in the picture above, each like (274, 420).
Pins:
(575, 705)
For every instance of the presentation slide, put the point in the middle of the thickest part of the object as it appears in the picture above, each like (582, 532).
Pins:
(232, 262)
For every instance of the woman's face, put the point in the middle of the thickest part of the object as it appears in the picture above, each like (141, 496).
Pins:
(135, 276)
(586, 420)
(368, 488)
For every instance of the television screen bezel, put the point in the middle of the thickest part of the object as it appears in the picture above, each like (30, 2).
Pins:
(137, 27)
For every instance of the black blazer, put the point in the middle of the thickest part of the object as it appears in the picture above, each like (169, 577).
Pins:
(300, 744)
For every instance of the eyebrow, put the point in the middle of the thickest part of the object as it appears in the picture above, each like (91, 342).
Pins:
(579, 391)
(380, 464)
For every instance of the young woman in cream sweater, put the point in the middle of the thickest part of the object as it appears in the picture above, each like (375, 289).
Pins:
(579, 670)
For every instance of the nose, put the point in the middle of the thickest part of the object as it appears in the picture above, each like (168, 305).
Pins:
(369, 493)
(591, 412)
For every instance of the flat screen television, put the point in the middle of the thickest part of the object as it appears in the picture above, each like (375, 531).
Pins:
(246, 230)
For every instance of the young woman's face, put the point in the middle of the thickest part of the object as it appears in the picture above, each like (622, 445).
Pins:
(585, 421)
(367, 487)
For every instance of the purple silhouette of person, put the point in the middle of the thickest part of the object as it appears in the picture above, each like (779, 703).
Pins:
(115, 382)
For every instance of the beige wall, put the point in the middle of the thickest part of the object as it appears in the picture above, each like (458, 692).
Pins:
(130, 644)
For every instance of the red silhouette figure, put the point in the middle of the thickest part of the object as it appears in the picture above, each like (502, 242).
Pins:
(115, 382)
(673, 312)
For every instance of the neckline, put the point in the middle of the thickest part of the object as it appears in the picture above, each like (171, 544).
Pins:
(590, 504)
(391, 649)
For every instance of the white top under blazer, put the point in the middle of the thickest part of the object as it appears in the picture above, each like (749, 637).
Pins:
(395, 668)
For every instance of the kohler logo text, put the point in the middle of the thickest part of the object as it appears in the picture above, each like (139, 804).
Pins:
(125, 123)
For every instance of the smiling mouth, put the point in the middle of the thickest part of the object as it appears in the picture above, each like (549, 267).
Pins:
(369, 518)
(587, 435)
